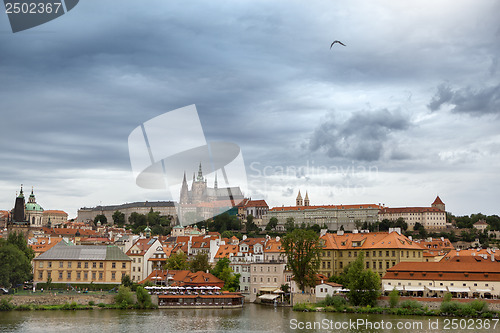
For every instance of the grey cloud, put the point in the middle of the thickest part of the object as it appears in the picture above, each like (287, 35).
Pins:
(475, 102)
(364, 136)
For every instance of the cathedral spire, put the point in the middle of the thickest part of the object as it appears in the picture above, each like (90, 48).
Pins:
(200, 174)
(215, 183)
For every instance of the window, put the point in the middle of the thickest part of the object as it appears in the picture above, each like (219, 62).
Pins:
(85, 275)
(49, 275)
(113, 265)
(113, 276)
(86, 264)
(40, 275)
(374, 265)
(386, 264)
(69, 264)
(49, 264)
(40, 265)
(367, 265)
(100, 275)
(60, 275)
(328, 264)
(124, 265)
(79, 264)
(393, 253)
(101, 265)
(69, 276)
(139, 260)
(380, 264)
(78, 274)
(386, 253)
(380, 253)
(94, 265)
(61, 264)
(93, 275)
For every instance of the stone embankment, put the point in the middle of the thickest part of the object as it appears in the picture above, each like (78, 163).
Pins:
(59, 299)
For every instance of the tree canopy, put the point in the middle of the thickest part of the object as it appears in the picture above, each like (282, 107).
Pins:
(226, 274)
(177, 261)
(302, 249)
(15, 259)
(363, 284)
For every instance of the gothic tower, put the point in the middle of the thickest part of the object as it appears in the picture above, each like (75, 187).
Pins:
(306, 200)
(298, 201)
(18, 214)
(438, 204)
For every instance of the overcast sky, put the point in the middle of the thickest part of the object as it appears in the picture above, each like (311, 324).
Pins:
(407, 110)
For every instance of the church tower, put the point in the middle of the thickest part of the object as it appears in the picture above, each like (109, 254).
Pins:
(19, 214)
(298, 201)
(184, 198)
(306, 200)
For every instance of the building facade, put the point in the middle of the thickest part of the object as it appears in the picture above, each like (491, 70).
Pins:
(431, 218)
(64, 263)
(382, 250)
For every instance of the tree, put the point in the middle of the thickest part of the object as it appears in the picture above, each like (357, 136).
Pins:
(124, 296)
(127, 281)
(143, 298)
(273, 222)
(101, 218)
(227, 234)
(363, 285)
(302, 249)
(118, 218)
(394, 298)
(199, 263)
(15, 268)
(177, 261)
(226, 274)
(290, 224)
(15, 259)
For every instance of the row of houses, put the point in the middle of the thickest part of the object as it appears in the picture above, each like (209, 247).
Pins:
(261, 262)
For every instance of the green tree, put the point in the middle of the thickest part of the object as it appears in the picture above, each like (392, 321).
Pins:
(290, 224)
(363, 285)
(127, 281)
(227, 234)
(199, 263)
(143, 298)
(15, 268)
(273, 222)
(18, 240)
(302, 249)
(101, 218)
(177, 261)
(226, 274)
(118, 218)
(394, 298)
(124, 296)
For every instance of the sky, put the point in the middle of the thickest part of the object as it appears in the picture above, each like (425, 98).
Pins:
(407, 110)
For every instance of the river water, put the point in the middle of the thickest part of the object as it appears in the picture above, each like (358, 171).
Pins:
(252, 318)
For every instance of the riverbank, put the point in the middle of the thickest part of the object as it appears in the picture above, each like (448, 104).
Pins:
(454, 308)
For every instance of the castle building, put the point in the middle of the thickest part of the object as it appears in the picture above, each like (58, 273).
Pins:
(335, 217)
(433, 217)
(202, 202)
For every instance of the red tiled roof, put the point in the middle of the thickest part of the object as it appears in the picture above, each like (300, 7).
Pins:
(438, 201)
(460, 271)
(185, 278)
(372, 240)
(399, 210)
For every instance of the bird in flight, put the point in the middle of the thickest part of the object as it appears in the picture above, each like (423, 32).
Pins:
(337, 41)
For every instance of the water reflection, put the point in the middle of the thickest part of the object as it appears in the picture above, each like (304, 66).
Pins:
(252, 318)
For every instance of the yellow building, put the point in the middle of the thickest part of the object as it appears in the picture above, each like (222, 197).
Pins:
(75, 264)
(382, 251)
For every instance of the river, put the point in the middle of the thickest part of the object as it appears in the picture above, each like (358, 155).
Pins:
(252, 318)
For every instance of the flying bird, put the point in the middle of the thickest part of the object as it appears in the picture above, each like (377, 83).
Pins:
(336, 41)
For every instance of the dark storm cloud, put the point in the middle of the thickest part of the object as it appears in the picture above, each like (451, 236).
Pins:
(476, 102)
(363, 136)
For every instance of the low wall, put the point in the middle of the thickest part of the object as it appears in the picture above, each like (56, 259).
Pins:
(56, 299)
(302, 298)
(435, 303)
